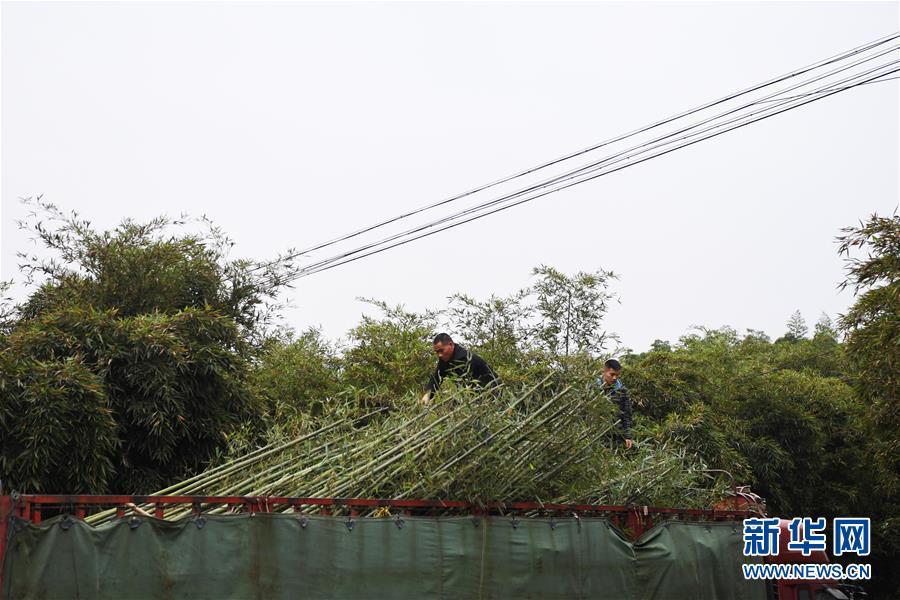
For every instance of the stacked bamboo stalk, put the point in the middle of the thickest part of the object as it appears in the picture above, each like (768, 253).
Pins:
(534, 445)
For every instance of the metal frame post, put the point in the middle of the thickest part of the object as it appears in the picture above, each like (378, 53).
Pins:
(6, 514)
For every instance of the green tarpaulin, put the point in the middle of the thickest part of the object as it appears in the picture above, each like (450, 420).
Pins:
(269, 556)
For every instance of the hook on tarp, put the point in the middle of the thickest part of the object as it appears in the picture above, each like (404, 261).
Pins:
(19, 524)
(66, 523)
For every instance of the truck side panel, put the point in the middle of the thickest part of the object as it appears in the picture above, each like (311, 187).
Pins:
(289, 556)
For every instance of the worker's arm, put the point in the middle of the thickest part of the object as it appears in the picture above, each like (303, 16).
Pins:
(433, 384)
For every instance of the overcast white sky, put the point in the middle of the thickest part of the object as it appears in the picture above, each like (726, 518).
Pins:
(289, 123)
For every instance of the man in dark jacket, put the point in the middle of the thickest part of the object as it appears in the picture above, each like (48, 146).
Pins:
(616, 392)
(456, 361)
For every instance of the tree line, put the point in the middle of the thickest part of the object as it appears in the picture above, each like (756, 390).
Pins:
(145, 353)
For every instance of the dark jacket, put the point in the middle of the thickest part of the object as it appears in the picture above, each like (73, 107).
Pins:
(618, 394)
(463, 363)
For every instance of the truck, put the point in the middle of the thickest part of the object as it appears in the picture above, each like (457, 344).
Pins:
(288, 547)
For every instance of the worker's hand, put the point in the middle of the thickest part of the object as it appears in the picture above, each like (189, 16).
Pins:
(425, 400)
(628, 444)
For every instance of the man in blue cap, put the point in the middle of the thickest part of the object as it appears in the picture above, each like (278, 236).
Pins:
(616, 392)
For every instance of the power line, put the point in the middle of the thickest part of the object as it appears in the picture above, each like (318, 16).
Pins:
(795, 73)
(479, 216)
(817, 92)
(323, 265)
(820, 94)
(611, 160)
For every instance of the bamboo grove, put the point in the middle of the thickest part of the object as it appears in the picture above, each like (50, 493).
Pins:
(144, 360)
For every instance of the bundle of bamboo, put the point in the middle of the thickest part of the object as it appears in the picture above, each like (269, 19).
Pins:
(539, 445)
